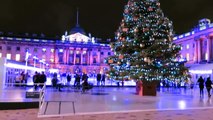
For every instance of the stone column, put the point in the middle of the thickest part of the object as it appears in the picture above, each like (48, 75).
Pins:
(66, 55)
(91, 56)
(208, 49)
(195, 53)
(98, 57)
(81, 57)
(88, 57)
(74, 52)
(199, 50)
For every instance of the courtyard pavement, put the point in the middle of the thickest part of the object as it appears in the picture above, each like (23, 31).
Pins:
(112, 103)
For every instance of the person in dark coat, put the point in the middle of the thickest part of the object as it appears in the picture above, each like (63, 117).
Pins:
(55, 82)
(98, 77)
(77, 81)
(85, 84)
(208, 86)
(43, 79)
(201, 85)
(68, 79)
(36, 80)
(103, 80)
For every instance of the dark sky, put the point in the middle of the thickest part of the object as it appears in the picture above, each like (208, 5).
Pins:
(101, 18)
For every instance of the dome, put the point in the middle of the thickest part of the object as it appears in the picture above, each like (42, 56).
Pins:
(77, 29)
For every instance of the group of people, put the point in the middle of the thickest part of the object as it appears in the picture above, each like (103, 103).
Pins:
(39, 79)
(85, 83)
(100, 79)
(207, 83)
(80, 80)
(22, 78)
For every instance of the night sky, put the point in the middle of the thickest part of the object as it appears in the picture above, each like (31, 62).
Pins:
(101, 18)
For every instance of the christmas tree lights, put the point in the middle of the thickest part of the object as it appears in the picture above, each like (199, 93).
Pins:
(143, 49)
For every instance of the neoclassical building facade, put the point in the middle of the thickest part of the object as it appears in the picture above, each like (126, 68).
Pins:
(76, 52)
(197, 49)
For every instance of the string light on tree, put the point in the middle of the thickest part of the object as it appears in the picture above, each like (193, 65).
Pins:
(144, 43)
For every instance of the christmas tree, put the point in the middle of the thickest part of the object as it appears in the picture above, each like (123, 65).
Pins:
(143, 49)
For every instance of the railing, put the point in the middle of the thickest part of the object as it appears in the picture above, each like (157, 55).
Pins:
(42, 98)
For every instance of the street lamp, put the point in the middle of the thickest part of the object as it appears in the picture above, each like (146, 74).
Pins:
(26, 59)
(35, 59)
(40, 61)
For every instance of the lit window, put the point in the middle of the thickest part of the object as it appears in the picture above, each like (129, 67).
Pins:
(18, 57)
(77, 52)
(187, 56)
(35, 49)
(71, 52)
(8, 56)
(52, 60)
(84, 52)
(52, 50)
(0, 55)
(60, 50)
(44, 50)
(206, 56)
(187, 46)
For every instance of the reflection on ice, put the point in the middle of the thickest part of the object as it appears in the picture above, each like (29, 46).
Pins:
(114, 98)
(182, 104)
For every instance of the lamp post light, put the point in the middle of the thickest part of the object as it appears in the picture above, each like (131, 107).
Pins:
(26, 60)
(43, 63)
(40, 61)
(34, 59)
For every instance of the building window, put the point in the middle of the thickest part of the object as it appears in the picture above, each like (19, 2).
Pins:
(109, 53)
(51, 60)
(71, 58)
(206, 57)
(61, 50)
(71, 52)
(78, 59)
(102, 53)
(60, 56)
(8, 48)
(94, 60)
(84, 52)
(0, 47)
(95, 57)
(17, 48)
(187, 56)
(52, 50)
(44, 50)
(0, 55)
(35, 49)
(18, 57)
(84, 59)
(8, 56)
(187, 46)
